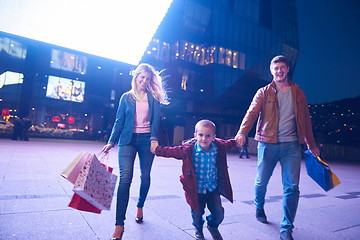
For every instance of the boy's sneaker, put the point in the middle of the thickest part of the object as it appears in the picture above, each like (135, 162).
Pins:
(286, 236)
(199, 235)
(260, 215)
(215, 233)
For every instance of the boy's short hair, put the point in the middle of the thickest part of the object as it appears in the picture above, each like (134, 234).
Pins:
(280, 59)
(205, 123)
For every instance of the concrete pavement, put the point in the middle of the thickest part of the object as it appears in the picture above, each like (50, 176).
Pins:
(34, 199)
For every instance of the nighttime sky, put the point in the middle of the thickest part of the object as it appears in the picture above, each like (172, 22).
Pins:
(328, 66)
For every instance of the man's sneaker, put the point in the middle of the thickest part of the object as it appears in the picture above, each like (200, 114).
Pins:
(286, 236)
(260, 215)
(215, 233)
(199, 235)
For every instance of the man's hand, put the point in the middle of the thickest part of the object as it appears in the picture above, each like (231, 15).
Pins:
(315, 151)
(153, 146)
(240, 139)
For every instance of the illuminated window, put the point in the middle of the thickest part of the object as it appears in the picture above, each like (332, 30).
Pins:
(202, 56)
(228, 58)
(9, 78)
(184, 79)
(183, 47)
(68, 61)
(165, 52)
(212, 54)
(236, 60)
(12, 48)
(221, 55)
(190, 52)
(197, 54)
(112, 95)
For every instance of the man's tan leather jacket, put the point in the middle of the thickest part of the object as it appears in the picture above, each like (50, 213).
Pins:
(264, 107)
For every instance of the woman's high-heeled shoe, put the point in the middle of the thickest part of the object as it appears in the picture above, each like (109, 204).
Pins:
(137, 218)
(121, 235)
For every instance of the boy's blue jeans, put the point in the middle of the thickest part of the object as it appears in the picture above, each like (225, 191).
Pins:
(140, 144)
(213, 202)
(289, 156)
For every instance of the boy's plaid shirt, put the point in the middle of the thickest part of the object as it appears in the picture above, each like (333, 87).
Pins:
(205, 168)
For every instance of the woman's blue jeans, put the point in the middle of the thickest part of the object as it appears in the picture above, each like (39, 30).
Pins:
(289, 156)
(213, 202)
(140, 143)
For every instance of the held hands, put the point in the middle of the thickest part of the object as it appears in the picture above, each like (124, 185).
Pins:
(107, 147)
(153, 146)
(240, 139)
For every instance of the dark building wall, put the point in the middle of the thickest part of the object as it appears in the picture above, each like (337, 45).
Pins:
(217, 53)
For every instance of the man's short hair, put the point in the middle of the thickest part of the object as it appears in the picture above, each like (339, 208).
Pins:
(205, 123)
(280, 59)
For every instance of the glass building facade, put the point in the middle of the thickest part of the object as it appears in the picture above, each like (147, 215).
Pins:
(216, 54)
(63, 92)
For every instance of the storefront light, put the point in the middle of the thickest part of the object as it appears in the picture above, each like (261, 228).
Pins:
(55, 119)
(71, 120)
(5, 112)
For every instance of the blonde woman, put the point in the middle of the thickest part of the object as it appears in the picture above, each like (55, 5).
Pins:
(136, 128)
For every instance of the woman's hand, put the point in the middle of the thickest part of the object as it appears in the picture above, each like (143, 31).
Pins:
(107, 147)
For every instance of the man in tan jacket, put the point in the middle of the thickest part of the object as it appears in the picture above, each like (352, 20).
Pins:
(283, 124)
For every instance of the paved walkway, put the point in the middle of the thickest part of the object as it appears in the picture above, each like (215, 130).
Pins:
(34, 199)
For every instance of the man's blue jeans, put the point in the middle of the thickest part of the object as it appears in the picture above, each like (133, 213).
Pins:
(289, 156)
(213, 202)
(140, 143)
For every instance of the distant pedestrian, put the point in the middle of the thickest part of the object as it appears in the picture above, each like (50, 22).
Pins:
(26, 124)
(17, 128)
(244, 149)
(283, 124)
(204, 175)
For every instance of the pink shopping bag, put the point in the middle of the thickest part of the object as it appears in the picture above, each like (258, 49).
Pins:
(72, 171)
(95, 183)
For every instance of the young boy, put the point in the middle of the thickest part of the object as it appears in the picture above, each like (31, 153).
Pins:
(204, 175)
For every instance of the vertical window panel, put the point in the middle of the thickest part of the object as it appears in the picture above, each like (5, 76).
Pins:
(228, 57)
(235, 60)
(242, 62)
(221, 55)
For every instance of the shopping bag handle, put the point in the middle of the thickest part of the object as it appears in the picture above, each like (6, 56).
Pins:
(103, 157)
(322, 161)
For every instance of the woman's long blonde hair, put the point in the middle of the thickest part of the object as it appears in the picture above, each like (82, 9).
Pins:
(154, 87)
